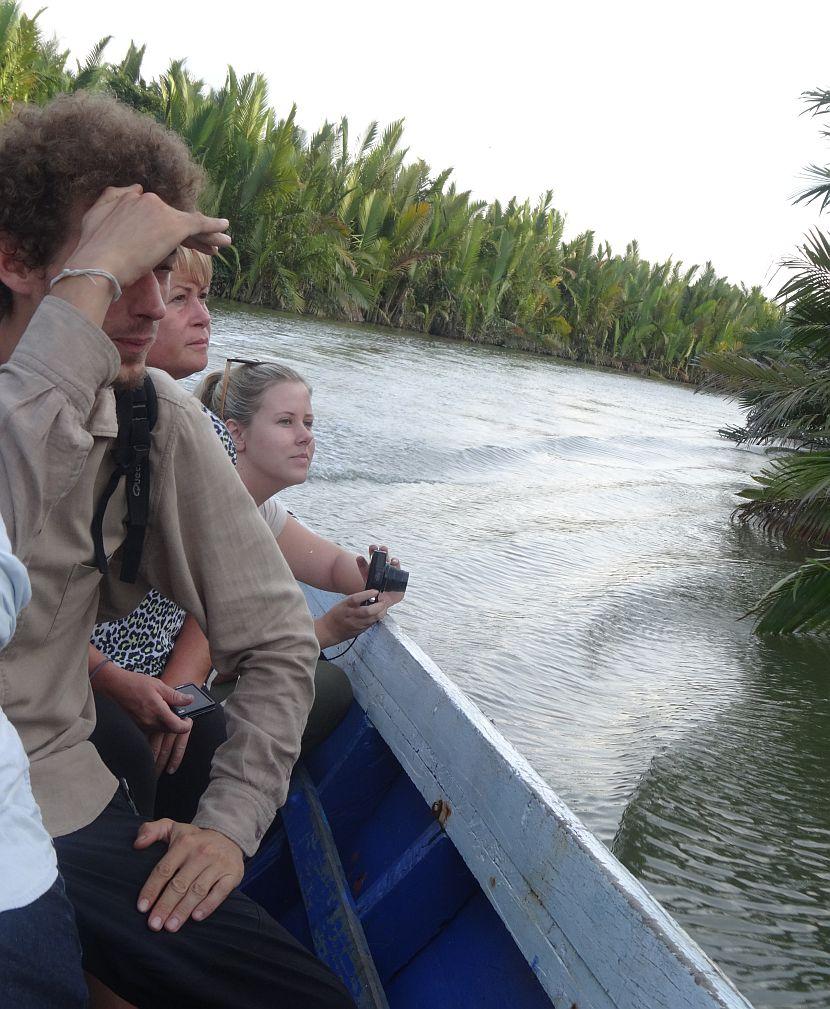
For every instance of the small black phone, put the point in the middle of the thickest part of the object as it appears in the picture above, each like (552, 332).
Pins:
(201, 704)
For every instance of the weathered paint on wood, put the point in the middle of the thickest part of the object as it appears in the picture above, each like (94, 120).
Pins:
(593, 935)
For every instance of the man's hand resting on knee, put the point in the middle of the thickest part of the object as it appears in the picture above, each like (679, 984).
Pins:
(198, 872)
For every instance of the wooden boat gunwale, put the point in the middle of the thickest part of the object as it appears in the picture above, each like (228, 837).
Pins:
(592, 934)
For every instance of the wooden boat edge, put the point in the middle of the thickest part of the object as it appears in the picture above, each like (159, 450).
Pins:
(547, 876)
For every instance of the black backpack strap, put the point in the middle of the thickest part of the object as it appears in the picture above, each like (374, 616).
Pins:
(144, 412)
(121, 456)
(137, 410)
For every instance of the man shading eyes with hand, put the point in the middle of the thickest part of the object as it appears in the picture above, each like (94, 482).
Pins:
(94, 198)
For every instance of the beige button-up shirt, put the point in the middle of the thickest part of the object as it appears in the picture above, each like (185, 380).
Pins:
(207, 548)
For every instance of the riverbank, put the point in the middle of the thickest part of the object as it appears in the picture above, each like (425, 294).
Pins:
(532, 347)
(358, 229)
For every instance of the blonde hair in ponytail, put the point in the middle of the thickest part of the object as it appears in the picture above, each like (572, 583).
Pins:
(246, 385)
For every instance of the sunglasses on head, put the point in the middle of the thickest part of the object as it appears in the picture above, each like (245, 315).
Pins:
(226, 378)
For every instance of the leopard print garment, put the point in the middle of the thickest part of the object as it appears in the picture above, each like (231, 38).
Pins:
(143, 640)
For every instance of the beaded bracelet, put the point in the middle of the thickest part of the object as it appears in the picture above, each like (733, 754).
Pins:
(92, 273)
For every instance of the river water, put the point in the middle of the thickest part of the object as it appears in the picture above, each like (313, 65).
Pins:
(574, 569)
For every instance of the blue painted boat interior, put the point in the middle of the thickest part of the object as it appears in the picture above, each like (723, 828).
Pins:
(389, 903)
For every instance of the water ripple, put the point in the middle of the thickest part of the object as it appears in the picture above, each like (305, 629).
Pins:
(574, 569)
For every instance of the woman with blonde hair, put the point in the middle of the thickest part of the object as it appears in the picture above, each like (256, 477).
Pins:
(267, 409)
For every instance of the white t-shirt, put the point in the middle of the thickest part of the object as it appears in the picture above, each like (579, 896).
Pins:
(275, 514)
(28, 866)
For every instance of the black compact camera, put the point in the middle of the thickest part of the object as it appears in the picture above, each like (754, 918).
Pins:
(383, 577)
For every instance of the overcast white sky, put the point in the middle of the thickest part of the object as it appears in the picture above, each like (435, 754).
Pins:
(674, 123)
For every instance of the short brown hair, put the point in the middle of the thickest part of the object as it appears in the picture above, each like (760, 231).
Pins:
(63, 155)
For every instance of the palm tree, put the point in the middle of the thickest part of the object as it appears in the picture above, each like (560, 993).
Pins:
(362, 232)
(31, 69)
(783, 380)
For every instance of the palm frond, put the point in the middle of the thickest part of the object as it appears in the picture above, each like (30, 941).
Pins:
(798, 602)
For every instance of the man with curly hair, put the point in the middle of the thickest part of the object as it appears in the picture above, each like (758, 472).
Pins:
(94, 199)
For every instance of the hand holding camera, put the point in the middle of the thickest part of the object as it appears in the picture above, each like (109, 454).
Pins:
(384, 576)
(146, 699)
(385, 585)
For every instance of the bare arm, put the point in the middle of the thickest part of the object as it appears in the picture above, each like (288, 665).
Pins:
(96, 657)
(325, 565)
(145, 698)
(319, 562)
(189, 661)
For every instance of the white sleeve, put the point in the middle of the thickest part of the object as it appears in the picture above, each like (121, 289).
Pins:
(275, 514)
(14, 588)
(26, 852)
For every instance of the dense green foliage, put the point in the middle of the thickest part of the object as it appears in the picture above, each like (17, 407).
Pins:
(358, 232)
(782, 378)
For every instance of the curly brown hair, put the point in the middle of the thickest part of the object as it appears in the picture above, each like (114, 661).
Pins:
(60, 157)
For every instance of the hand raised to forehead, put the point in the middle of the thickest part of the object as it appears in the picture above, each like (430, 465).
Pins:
(129, 232)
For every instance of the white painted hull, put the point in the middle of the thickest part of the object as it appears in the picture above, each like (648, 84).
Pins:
(594, 937)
